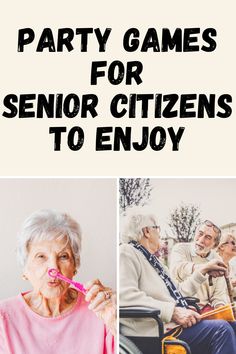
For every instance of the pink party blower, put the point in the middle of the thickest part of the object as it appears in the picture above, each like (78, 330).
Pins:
(53, 273)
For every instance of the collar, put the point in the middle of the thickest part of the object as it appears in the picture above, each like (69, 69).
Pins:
(211, 254)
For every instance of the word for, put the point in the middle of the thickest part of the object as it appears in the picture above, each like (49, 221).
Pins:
(110, 138)
(117, 71)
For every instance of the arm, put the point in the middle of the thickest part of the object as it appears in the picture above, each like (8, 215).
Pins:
(180, 266)
(220, 297)
(102, 302)
(130, 293)
(190, 276)
(185, 273)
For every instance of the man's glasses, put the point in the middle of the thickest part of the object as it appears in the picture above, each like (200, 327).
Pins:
(210, 224)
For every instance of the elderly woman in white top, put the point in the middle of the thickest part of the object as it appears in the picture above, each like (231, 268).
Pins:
(144, 281)
(227, 251)
(54, 317)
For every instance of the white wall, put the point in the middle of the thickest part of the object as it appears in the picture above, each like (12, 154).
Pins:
(92, 202)
(215, 197)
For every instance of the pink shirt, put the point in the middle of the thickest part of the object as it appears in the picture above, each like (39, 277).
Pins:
(78, 331)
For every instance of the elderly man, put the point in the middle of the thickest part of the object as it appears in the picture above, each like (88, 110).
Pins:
(187, 259)
(144, 281)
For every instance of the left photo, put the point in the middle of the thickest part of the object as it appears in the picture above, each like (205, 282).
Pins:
(58, 278)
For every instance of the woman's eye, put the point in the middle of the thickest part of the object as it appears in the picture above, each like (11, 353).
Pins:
(40, 256)
(64, 256)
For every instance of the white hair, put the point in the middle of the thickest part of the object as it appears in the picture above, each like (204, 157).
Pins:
(133, 223)
(48, 224)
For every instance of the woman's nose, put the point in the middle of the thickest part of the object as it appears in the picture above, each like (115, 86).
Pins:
(52, 263)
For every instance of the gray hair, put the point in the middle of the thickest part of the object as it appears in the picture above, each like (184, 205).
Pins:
(133, 224)
(48, 224)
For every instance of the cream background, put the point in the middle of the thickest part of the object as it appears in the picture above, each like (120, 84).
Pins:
(92, 202)
(207, 146)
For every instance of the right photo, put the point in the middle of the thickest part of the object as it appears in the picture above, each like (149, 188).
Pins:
(177, 285)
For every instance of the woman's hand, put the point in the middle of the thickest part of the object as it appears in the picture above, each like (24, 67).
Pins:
(185, 317)
(102, 302)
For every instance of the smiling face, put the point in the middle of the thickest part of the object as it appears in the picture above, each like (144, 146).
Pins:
(42, 256)
(205, 240)
(228, 248)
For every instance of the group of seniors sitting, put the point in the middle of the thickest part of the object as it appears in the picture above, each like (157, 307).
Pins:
(196, 269)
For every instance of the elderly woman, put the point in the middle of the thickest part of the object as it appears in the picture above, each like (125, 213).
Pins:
(144, 281)
(54, 317)
(227, 251)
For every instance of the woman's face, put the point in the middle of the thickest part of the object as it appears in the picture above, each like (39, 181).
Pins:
(44, 255)
(229, 247)
(152, 235)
